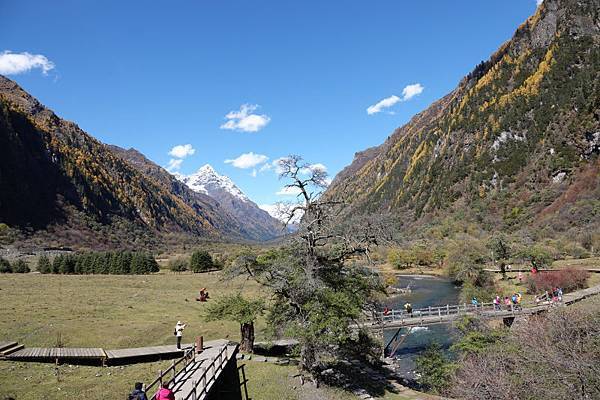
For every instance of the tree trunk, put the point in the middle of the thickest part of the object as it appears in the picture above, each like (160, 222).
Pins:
(247, 331)
(503, 270)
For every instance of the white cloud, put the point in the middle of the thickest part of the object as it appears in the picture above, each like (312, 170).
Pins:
(174, 164)
(288, 191)
(182, 151)
(539, 2)
(244, 119)
(253, 174)
(247, 160)
(17, 63)
(265, 167)
(385, 103)
(411, 91)
(408, 93)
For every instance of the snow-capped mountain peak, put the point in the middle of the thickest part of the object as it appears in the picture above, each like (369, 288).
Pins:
(206, 180)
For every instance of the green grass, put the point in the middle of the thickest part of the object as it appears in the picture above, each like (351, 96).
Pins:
(112, 311)
(40, 382)
(105, 311)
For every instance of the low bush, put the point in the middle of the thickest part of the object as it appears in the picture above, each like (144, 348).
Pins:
(568, 279)
(178, 265)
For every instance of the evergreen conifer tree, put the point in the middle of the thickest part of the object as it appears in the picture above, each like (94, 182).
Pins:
(201, 261)
(43, 265)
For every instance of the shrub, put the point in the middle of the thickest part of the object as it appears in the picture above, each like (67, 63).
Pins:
(466, 260)
(400, 258)
(434, 368)
(20, 267)
(201, 261)
(178, 265)
(568, 279)
(577, 252)
(539, 257)
(43, 265)
(5, 267)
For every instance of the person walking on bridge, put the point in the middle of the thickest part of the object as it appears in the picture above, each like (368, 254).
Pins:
(138, 392)
(408, 308)
(165, 393)
(179, 332)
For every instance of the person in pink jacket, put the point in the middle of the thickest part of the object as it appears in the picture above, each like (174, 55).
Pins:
(165, 393)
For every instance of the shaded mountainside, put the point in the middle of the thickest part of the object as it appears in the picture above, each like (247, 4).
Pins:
(53, 174)
(253, 221)
(516, 143)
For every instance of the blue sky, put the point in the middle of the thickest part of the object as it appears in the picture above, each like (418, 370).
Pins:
(150, 76)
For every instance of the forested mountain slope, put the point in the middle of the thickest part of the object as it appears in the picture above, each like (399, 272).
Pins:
(515, 144)
(57, 179)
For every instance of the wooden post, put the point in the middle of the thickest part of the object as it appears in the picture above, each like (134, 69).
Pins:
(160, 376)
(174, 372)
(199, 344)
(447, 309)
(203, 374)
(194, 390)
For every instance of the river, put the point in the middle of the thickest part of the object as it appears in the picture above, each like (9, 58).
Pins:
(426, 291)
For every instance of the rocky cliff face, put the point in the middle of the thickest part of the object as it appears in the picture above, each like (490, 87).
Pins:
(516, 142)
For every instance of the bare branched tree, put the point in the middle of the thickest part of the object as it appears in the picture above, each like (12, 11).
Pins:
(318, 295)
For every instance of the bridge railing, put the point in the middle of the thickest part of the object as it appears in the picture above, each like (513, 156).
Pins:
(182, 363)
(200, 386)
(394, 316)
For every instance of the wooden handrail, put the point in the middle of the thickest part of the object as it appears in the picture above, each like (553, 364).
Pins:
(223, 359)
(440, 311)
(187, 358)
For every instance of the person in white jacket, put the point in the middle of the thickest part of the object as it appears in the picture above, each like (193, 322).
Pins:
(179, 332)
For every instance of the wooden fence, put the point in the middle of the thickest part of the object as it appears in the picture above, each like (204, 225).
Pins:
(182, 363)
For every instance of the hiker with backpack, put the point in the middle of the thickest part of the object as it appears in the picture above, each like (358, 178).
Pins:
(138, 393)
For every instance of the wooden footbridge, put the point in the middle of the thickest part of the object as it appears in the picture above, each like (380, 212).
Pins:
(197, 374)
(212, 373)
(395, 319)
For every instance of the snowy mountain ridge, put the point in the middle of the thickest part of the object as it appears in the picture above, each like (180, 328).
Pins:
(206, 180)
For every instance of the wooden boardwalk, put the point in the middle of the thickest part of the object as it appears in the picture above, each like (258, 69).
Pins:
(53, 353)
(508, 271)
(90, 354)
(140, 352)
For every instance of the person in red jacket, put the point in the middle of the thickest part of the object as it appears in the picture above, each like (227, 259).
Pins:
(165, 393)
